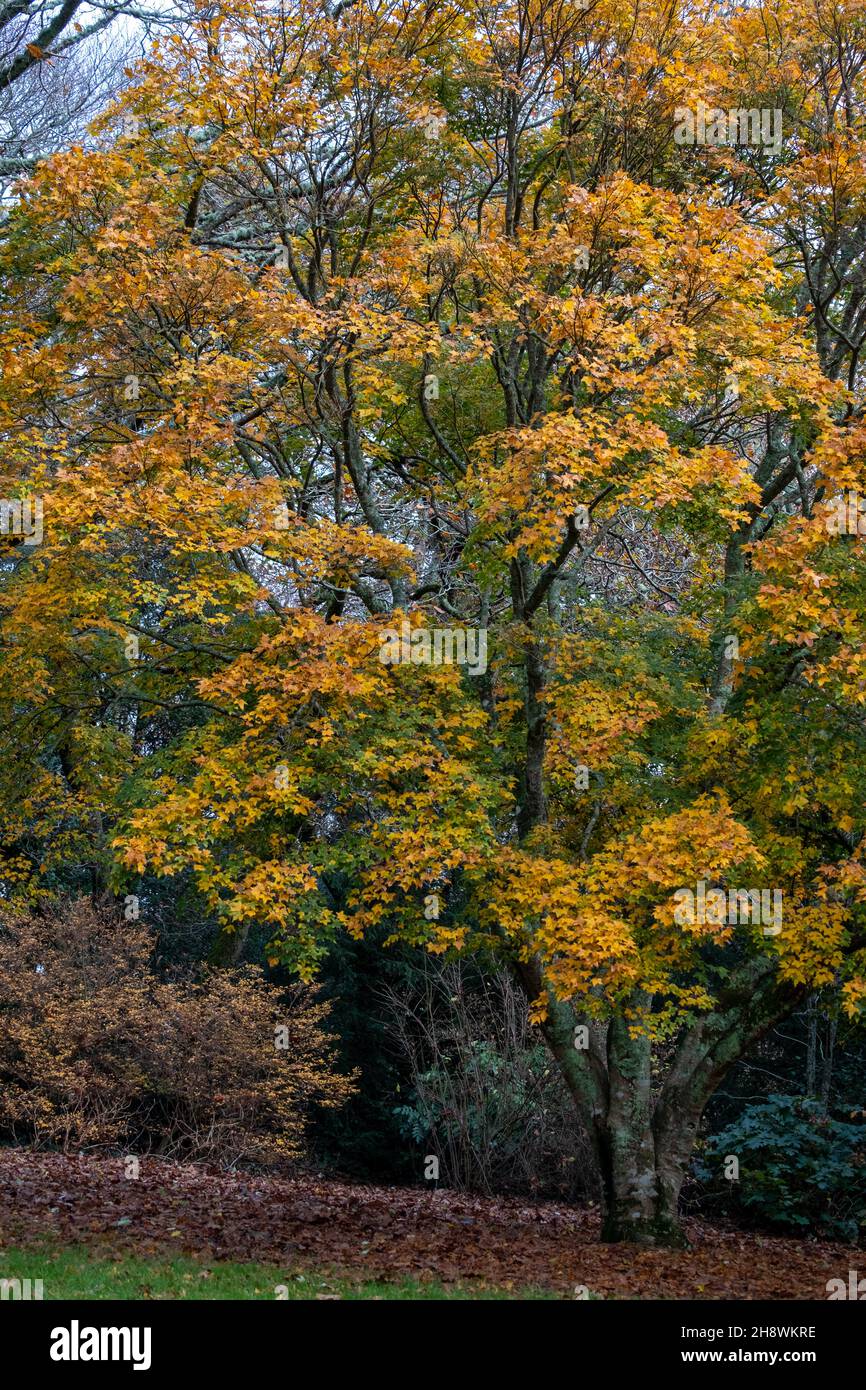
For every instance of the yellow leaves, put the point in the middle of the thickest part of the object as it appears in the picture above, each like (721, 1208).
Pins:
(608, 926)
(812, 571)
(240, 459)
(854, 996)
(810, 945)
(594, 723)
(320, 709)
(323, 549)
(534, 478)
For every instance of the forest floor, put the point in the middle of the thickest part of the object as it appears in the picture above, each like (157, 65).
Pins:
(363, 1233)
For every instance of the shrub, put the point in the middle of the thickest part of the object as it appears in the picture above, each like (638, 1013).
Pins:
(486, 1099)
(97, 1051)
(798, 1167)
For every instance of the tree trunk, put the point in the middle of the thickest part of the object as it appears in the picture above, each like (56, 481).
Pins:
(228, 946)
(611, 1086)
(641, 1179)
(812, 1046)
(827, 1071)
(643, 1133)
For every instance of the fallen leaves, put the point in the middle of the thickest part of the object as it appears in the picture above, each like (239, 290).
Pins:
(388, 1232)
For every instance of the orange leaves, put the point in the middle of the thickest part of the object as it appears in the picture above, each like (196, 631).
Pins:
(321, 345)
(638, 292)
(607, 927)
(545, 473)
(90, 1035)
(585, 944)
(812, 573)
(319, 726)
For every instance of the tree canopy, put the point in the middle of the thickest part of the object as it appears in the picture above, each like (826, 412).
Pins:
(369, 328)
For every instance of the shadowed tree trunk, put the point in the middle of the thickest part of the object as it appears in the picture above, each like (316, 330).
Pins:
(228, 946)
(643, 1127)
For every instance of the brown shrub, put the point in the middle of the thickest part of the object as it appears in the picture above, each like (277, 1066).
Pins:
(96, 1051)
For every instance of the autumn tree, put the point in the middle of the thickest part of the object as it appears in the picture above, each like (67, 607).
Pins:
(395, 319)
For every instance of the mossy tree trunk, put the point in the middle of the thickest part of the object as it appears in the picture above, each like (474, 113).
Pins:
(644, 1127)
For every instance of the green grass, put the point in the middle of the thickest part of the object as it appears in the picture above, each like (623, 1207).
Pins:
(74, 1272)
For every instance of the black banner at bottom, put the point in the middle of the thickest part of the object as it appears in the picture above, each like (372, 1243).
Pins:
(86, 1339)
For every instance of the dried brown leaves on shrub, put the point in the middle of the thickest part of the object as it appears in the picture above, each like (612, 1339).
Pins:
(97, 1051)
